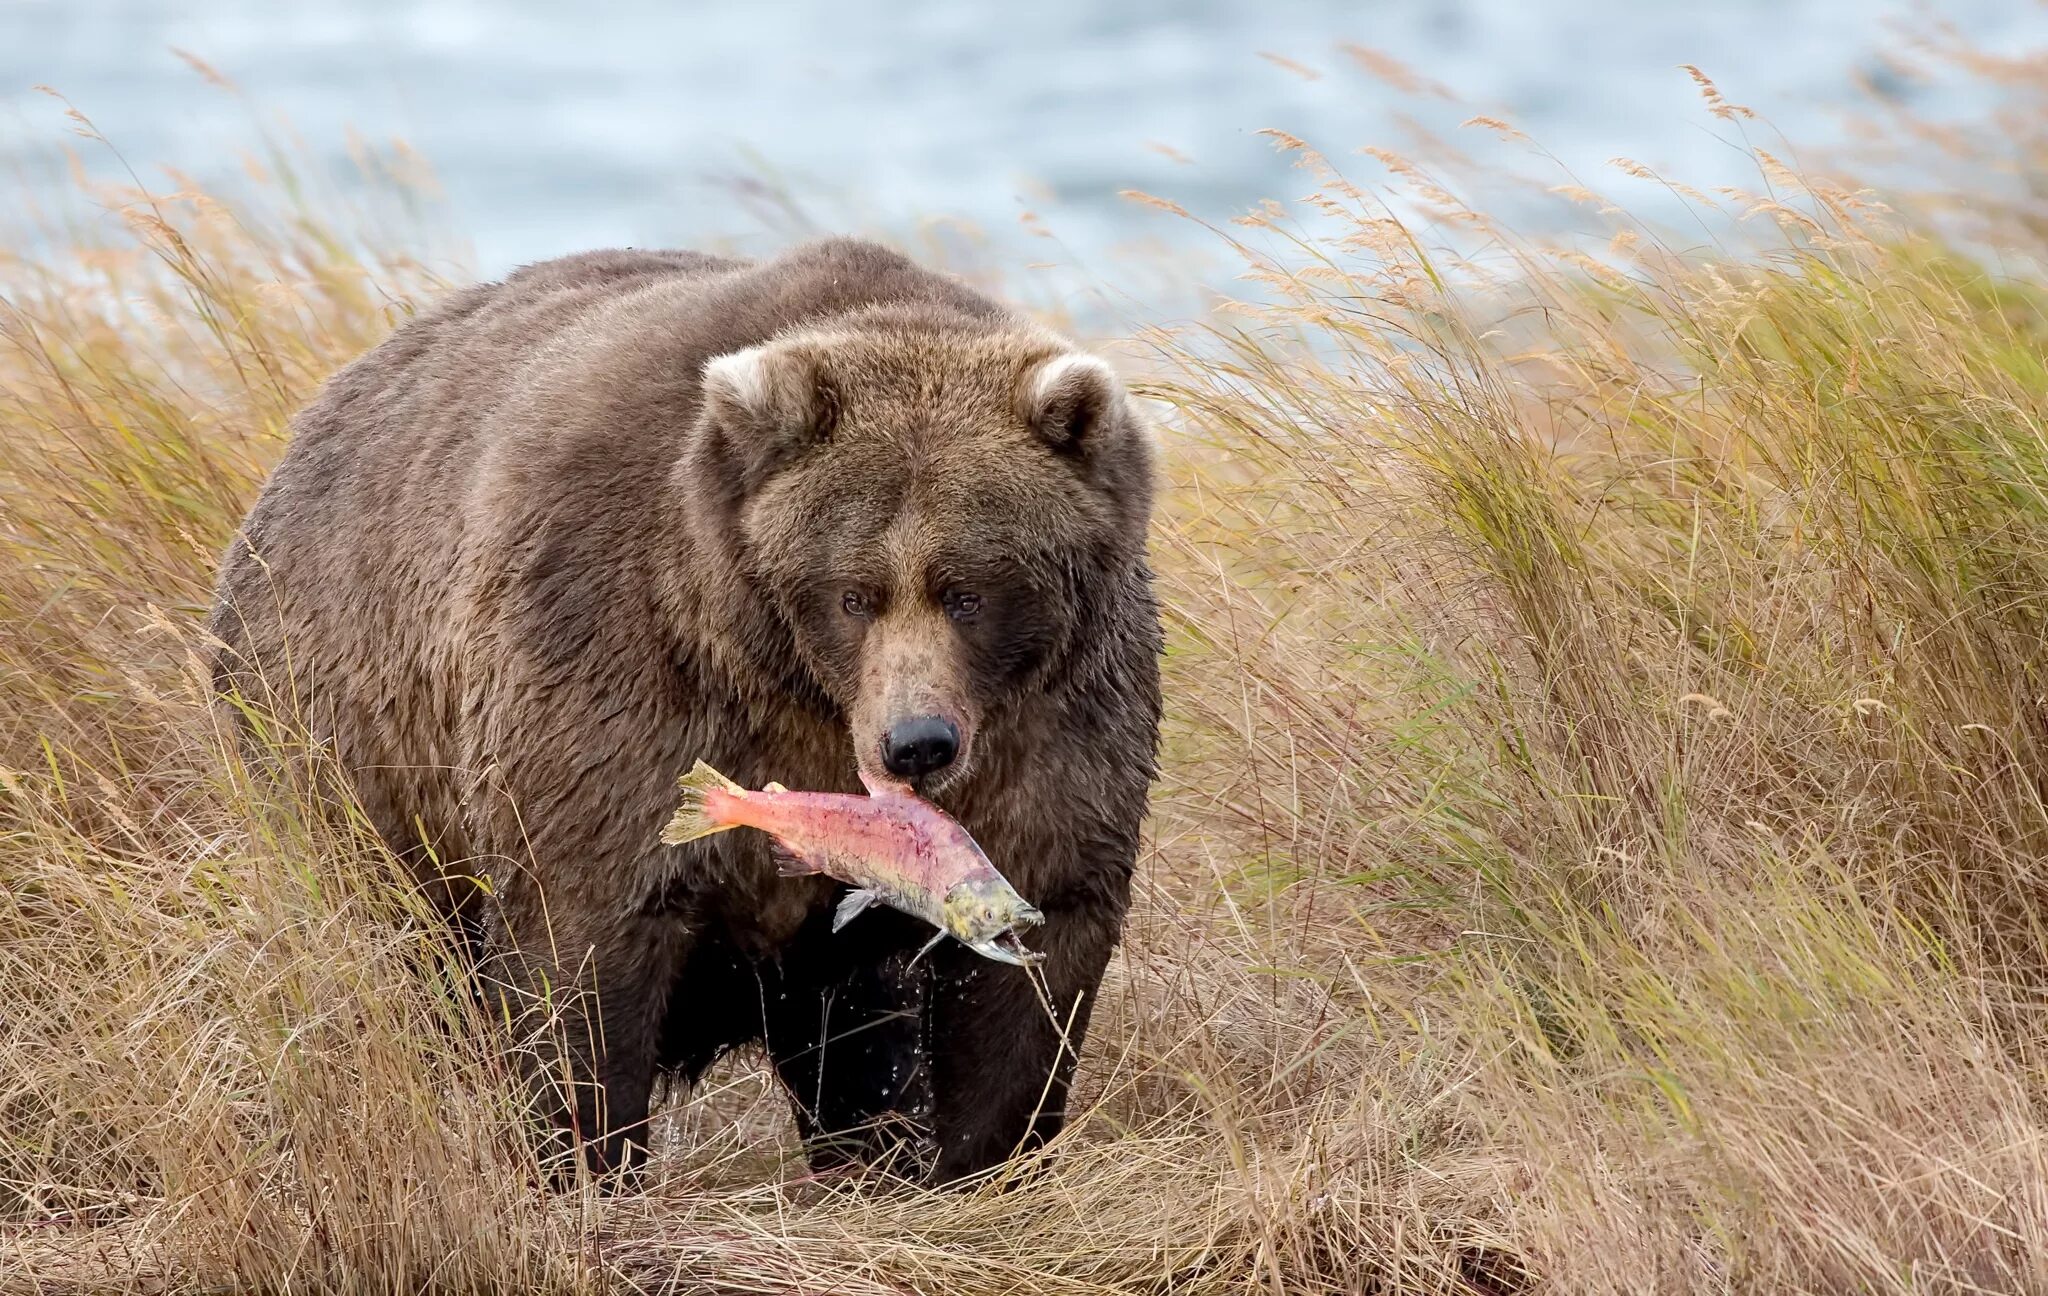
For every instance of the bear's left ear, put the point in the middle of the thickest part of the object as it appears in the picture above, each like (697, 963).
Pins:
(1071, 400)
(1078, 406)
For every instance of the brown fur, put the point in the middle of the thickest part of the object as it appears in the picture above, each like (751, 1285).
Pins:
(525, 561)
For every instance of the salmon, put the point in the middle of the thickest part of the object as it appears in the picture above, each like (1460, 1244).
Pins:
(890, 846)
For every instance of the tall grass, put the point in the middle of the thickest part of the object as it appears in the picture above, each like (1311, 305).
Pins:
(1599, 847)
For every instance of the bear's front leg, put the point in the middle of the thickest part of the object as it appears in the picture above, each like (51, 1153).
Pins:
(1002, 1056)
(846, 1017)
(593, 1005)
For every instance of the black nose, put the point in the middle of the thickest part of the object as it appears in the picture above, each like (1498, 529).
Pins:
(915, 746)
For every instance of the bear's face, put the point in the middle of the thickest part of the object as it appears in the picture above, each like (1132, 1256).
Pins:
(930, 512)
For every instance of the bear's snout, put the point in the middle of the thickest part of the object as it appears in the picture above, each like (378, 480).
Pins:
(917, 745)
(913, 719)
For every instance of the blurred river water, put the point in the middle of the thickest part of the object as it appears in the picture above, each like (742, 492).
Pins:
(553, 127)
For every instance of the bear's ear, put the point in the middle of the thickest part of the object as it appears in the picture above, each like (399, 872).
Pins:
(1079, 407)
(771, 403)
(1072, 400)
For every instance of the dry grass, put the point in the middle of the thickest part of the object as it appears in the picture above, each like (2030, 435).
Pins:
(1600, 847)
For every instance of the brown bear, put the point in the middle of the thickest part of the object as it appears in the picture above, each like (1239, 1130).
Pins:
(561, 536)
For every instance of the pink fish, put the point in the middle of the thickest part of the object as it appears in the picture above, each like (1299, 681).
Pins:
(890, 846)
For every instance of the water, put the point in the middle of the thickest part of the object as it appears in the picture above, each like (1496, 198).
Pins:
(554, 127)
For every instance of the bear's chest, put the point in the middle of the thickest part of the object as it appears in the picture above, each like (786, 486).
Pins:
(736, 873)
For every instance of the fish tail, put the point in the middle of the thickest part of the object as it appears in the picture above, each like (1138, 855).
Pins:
(692, 820)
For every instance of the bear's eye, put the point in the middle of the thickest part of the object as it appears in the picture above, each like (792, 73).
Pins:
(962, 605)
(857, 604)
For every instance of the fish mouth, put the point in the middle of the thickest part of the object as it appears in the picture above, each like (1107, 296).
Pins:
(1004, 947)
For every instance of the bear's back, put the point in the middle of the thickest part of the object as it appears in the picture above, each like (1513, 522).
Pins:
(394, 436)
(336, 601)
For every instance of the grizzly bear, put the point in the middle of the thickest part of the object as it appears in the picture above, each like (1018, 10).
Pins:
(561, 536)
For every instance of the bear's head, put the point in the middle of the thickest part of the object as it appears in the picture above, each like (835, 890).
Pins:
(935, 511)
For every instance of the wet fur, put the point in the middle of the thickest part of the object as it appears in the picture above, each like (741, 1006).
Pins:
(517, 577)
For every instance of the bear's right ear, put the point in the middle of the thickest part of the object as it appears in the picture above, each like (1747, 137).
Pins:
(771, 403)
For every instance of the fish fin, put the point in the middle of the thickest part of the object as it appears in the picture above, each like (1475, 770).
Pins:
(851, 907)
(790, 864)
(878, 787)
(691, 822)
(937, 936)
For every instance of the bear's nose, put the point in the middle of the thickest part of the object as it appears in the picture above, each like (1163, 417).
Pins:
(917, 745)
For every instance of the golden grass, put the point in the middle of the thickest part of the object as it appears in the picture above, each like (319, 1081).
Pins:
(1599, 847)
